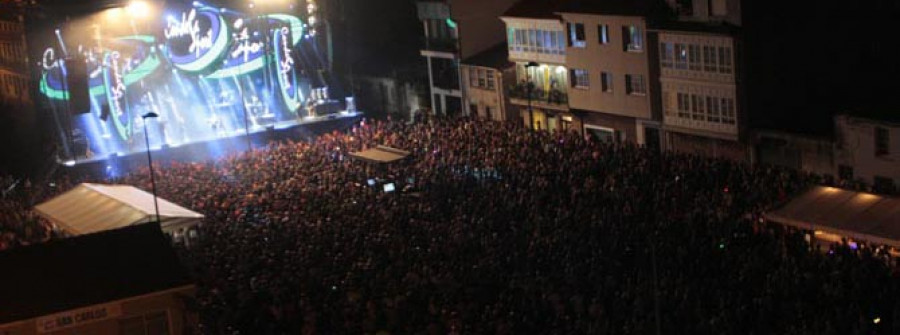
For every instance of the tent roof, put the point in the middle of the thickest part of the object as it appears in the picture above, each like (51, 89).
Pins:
(855, 215)
(90, 208)
(65, 274)
(381, 154)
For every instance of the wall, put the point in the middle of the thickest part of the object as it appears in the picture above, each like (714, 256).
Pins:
(855, 147)
(479, 25)
(484, 97)
(610, 57)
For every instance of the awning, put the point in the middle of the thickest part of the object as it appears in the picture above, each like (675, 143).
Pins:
(381, 154)
(855, 215)
(91, 208)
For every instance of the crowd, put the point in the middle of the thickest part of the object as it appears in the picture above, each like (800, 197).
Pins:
(497, 229)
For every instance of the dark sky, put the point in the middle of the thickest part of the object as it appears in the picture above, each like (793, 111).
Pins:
(808, 60)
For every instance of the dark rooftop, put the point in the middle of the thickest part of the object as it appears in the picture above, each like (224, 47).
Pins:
(535, 9)
(495, 57)
(87, 270)
(644, 8)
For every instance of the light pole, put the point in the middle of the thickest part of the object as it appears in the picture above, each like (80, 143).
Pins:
(151, 115)
(530, 87)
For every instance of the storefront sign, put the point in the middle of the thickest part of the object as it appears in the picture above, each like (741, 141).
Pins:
(77, 317)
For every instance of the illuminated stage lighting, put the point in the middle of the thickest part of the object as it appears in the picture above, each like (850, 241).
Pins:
(69, 163)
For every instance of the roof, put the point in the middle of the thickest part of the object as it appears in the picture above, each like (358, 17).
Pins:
(856, 215)
(535, 9)
(609, 7)
(90, 208)
(889, 115)
(380, 154)
(87, 270)
(496, 57)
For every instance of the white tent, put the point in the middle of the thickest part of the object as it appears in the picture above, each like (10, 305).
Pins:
(91, 208)
(381, 154)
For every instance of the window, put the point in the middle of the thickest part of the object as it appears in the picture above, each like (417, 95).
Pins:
(727, 108)
(473, 77)
(724, 60)
(580, 78)
(490, 80)
(712, 108)
(683, 106)
(882, 141)
(482, 81)
(576, 35)
(634, 84)
(670, 103)
(709, 59)
(681, 56)
(694, 57)
(603, 33)
(666, 54)
(606, 82)
(696, 113)
(632, 38)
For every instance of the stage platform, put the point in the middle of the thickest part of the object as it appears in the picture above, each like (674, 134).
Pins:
(299, 130)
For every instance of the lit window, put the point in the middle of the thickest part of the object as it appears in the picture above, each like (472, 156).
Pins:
(681, 56)
(576, 35)
(580, 79)
(603, 33)
(632, 38)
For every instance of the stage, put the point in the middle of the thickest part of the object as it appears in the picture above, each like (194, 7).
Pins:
(306, 129)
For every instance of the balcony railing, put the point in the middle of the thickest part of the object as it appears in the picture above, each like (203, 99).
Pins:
(538, 95)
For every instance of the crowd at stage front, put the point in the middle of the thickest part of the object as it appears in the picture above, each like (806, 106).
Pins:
(494, 228)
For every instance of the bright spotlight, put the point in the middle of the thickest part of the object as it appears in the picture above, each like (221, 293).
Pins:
(138, 8)
(69, 163)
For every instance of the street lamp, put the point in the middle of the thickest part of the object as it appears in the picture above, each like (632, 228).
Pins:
(151, 115)
(530, 86)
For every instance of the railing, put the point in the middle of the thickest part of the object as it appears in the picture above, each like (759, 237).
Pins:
(538, 95)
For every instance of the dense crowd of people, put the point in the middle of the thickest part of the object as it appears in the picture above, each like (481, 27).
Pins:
(494, 228)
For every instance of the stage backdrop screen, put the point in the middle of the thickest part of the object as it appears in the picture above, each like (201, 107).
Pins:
(207, 72)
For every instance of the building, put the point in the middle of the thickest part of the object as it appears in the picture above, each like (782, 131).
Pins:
(124, 281)
(697, 63)
(536, 43)
(456, 30)
(867, 149)
(485, 75)
(607, 57)
(14, 73)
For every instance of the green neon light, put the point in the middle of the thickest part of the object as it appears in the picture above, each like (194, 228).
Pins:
(98, 90)
(149, 39)
(213, 55)
(295, 24)
(144, 69)
(450, 23)
(242, 69)
(51, 92)
(291, 103)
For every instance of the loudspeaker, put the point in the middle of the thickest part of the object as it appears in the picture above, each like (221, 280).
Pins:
(77, 83)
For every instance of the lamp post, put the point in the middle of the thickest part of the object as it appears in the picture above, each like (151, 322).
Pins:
(151, 115)
(530, 87)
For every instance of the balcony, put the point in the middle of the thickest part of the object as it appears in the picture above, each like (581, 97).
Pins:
(441, 44)
(553, 98)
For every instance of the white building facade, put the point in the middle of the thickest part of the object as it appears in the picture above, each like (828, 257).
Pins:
(868, 150)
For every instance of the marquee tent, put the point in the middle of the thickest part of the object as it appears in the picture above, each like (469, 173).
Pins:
(91, 208)
(855, 215)
(380, 154)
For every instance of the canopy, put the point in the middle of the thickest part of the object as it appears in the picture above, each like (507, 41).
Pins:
(91, 208)
(855, 215)
(381, 154)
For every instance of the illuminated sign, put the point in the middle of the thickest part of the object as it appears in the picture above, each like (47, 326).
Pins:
(115, 94)
(287, 77)
(77, 317)
(196, 40)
